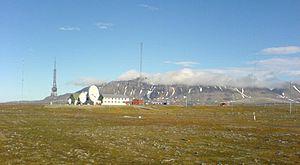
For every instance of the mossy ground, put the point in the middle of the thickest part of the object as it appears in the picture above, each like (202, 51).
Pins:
(37, 134)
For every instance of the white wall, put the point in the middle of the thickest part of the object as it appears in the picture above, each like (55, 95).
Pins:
(114, 101)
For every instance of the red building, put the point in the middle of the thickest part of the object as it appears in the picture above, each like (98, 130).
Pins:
(137, 102)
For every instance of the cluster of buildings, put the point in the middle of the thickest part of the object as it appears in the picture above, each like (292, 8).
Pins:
(94, 97)
(110, 99)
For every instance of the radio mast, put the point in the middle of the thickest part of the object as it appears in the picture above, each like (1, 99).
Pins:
(54, 87)
(141, 64)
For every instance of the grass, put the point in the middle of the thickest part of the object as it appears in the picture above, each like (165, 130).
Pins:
(37, 134)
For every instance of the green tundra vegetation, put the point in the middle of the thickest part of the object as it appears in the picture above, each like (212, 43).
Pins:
(59, 134)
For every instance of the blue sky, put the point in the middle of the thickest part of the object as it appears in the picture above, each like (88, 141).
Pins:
(97, 41)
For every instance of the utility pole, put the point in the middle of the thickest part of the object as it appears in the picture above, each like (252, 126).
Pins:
(232, 101)
(186, 101)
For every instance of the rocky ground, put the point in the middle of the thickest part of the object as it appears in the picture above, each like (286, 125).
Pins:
(36, 134)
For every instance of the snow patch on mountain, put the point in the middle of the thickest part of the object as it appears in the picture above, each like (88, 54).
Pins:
(173, 91)
(200, 89)
(242, 93)
(190, 90)
(296, 88)
(125, 90)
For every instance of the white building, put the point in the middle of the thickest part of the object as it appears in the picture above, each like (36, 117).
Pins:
(111, 99)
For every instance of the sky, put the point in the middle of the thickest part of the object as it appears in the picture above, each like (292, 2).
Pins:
(193, 42)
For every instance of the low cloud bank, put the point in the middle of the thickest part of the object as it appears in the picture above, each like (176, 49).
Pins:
(230, 77)
(269, 73)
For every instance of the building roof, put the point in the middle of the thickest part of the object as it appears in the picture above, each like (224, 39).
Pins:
(114, 96)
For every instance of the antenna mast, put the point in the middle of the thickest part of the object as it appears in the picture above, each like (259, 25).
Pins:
(54, 87)
(141, 64)
(141, 59)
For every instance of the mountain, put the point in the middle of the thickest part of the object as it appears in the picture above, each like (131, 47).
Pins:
(196, 94)
(61, 99)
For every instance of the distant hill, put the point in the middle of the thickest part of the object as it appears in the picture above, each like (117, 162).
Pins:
(61, 99)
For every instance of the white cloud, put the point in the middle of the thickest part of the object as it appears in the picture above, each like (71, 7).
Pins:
(223, 77)
(279, 64)
(281, 50)
(104, 25)
(83, 82)
(129, 75)
(268, 73)
(69, 28)
(282, 67)
(182, 63)
(263, 73)
(149, 7)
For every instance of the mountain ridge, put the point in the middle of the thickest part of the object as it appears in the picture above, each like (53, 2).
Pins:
(195, 94)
